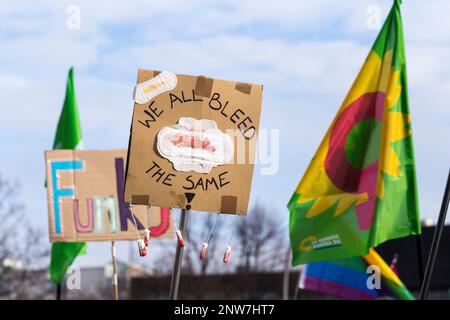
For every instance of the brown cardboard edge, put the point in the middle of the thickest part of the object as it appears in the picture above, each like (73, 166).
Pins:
(46, 191)
(139, 76)
(156, 72)
(72, 152)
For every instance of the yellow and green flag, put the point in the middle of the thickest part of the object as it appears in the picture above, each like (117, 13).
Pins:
(360, 188)
(68, 136)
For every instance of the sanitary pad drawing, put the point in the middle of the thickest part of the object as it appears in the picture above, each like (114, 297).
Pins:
(195, 145)
(163, 82)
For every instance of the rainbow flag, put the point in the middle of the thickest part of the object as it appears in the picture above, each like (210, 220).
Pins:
(342, 278)
(360, 188)
(348, 278)
(390, 278)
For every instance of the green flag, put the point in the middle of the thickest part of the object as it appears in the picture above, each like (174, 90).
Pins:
(360, 187)
(68, 136)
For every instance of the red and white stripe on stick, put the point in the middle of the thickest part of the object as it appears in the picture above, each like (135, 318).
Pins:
(227, 254)
(180, 238)
(203, 251)
(147, 237)
(204, 248)
(142, 248)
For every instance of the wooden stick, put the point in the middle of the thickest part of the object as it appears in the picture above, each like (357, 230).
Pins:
(286, 274)
(58, 291)
(115, 280)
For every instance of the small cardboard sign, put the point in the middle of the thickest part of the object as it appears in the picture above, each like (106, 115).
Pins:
(192, 142)
(85, 192)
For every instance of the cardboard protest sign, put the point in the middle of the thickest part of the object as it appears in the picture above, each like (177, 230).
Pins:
(85, 192)
(192, 142)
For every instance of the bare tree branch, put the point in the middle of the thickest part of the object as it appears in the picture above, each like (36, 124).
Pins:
(22, 251)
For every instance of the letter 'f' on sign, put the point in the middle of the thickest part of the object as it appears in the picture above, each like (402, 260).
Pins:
(63, 192)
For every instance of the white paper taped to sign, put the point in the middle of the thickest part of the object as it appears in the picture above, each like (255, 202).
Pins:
(195, 145)
(146, 91)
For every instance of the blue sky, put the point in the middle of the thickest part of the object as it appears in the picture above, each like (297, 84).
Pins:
(306, 53)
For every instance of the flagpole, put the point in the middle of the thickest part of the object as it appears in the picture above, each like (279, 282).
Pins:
(297, 286)
(436, 241)
(175, 280)
(286, 274)
(58, 291)
(419, 258)
(115, 280)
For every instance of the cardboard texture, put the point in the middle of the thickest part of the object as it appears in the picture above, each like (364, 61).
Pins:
(85, 192)
(235, 109)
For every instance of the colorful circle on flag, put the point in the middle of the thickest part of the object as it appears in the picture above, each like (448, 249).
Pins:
(362, 144)
(351, 162)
